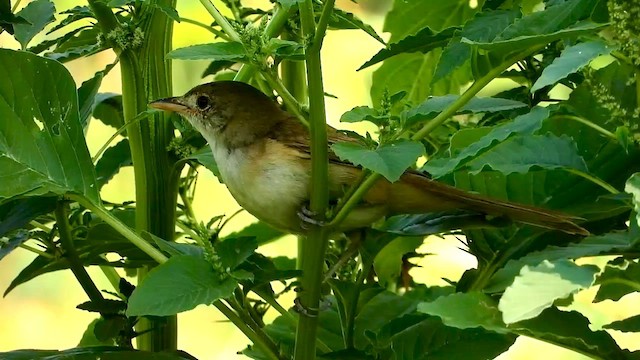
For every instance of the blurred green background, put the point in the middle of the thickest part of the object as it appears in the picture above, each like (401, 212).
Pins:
(41, 313)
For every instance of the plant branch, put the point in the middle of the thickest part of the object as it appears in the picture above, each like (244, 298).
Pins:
(221, 20)
(120, 227)
(588, 123)
(594, 179)
(246, 330)
(66, 239)
(291, 102)
(206, 27)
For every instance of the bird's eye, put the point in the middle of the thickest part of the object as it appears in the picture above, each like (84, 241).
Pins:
(202, 102)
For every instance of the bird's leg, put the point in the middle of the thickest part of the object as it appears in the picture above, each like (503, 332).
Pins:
(308, 217)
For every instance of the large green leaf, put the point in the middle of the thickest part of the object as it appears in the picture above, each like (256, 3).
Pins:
(413, 72)
(419, 336)
(466, 311)
(523, 124)
(390, 160)
(38, 13)
(571, 60)
(180, 284)
(42, 146)
(571, 330)
(214, 51)
(521, 153)
(435, 105)
(263, 233)
(537, 287)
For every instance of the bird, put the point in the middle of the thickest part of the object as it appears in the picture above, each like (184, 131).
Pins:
(263, 156)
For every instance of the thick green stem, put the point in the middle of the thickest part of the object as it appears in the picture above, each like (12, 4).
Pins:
(66, 239)
(312, 249)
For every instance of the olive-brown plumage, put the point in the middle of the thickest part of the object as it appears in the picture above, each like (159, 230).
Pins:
(263, 156)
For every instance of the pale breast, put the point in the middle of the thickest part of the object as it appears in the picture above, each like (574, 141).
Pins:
(266, 179)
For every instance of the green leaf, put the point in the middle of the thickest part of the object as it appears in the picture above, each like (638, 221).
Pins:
(526, 41)
(362, 113)
(214, 51)
(520, 153)
(390, 160)
(17, 213)
(618, 280)
(435, 223)
(423, 41)
(631, 324)
(38, 13)
(180, 284)
(436, 104)
(261, 232)
(112, 160)
(632, 187)
(289, 3)
(570, 61)
(170, 11)
(466, 311)
(388, 262)
(523, 124)
(571, 330)
(413, 72)
(11, 242)
(174, 248)
(205, 157)
(234, 251)
(341, 19)
(86, 96)
(107, 108)
(419, 336)
(89, 337)
(42, 146)
(82, 44)
(485, 26)
(537, 287)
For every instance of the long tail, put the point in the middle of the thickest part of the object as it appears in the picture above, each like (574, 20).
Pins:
(436, 196)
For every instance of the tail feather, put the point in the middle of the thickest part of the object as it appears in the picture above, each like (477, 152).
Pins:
(448, 197)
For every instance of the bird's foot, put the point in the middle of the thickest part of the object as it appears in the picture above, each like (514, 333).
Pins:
(308, 217)
(308, 311)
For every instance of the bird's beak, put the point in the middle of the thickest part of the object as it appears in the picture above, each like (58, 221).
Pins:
(170, 104)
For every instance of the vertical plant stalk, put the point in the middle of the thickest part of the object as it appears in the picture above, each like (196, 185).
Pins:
(161, 190)
(145, 75)
(312, 249)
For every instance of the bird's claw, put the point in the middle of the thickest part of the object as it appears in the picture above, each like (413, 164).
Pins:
(308, 217)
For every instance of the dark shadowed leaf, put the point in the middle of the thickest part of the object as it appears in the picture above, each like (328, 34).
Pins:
(42, 146)
(390, 160)
(180, 284)
(11, 242)
(89, 337)
(631, 324)
(112, 160)
(94, 353)
(234, 251)
(537, 287)
(618, 279)
(205, 157)
(341, 19)
(38, 13)
(17, 213)
(423, 41)
(107, 108)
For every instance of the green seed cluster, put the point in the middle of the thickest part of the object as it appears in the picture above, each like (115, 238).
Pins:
(625, 22)
(126, 37)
